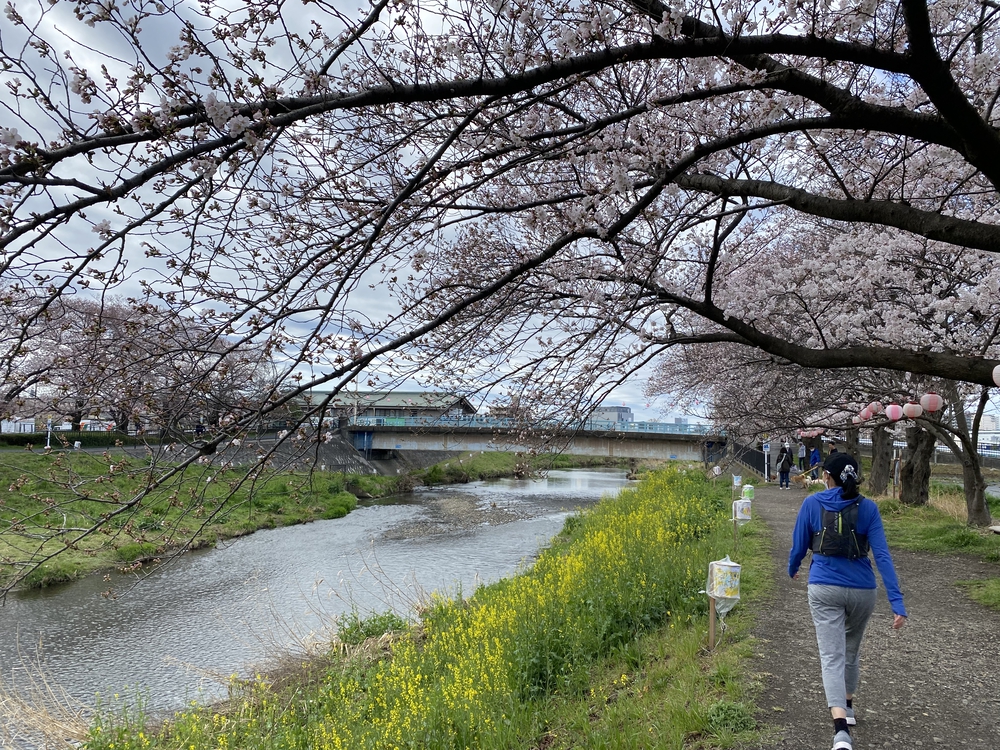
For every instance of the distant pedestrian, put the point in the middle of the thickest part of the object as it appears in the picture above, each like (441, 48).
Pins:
(840, 527)
(815, 459)
(784, 465)
(833, 448)
(802, 456)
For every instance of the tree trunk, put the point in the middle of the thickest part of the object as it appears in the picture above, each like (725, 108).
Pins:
(878, 480)
(121, 417)
(975, 491)
(853, 446)
(915, 476)
(974, 485)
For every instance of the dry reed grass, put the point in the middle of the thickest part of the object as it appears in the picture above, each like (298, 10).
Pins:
(949, 502)
(37, 713)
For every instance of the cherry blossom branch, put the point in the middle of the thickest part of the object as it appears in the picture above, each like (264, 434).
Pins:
(929, 224)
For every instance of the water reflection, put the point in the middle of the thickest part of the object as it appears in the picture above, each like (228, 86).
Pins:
(215, 612)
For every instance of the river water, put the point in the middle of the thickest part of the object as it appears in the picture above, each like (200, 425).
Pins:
(178, 634)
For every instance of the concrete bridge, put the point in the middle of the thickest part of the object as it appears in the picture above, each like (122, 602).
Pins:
(383, 437)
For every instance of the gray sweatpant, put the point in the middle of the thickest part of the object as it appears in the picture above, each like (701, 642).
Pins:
(840, 615)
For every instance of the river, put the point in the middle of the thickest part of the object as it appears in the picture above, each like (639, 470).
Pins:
(179, 633)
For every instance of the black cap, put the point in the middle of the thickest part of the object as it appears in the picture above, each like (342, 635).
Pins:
(836, 463)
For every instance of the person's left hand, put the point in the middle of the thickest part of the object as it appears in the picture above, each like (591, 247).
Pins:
(898, 621)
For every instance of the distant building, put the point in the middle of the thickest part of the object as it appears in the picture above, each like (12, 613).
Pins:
(398, 404)
(989, 423)
(16, 425)
(613, 414)
(510, 410)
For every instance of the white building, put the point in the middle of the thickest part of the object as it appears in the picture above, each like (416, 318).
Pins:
(989, 423)
(17, 424)
(613, 414)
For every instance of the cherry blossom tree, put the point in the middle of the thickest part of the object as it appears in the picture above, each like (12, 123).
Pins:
(520, 192)
(751, 395)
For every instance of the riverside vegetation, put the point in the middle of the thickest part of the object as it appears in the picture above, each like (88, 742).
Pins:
(601, 643)
(204, 506)
(940, 527)
(583, 667)
(69, 489)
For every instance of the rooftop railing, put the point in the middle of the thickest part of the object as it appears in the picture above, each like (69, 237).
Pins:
(474, 421)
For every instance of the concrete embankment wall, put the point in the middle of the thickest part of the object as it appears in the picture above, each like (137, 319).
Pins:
(336, 455)
(405, 461)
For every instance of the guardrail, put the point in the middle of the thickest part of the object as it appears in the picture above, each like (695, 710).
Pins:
(986, 450)
(488, 423)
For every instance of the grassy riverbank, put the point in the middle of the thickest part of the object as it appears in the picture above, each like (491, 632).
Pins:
(47, 493)
(476, 466)
(206, 504)
(599, 644)
(195, 509)
(941, 527)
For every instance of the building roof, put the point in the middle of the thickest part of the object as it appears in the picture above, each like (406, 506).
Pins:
(401, 400)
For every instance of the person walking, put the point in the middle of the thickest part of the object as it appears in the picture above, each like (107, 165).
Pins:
(784, 466)
(802, 456)
(815, 459)
(840, 526)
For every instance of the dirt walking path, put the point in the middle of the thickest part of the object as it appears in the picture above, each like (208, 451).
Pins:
(933, 684)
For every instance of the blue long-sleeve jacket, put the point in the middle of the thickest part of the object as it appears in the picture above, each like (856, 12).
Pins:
(840, 571)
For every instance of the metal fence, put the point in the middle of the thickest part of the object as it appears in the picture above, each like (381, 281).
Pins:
(486, 423)
(752, 458)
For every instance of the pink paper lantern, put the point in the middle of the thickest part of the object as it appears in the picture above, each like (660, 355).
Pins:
(912, 410)
(857, 419)
(875, 407)
(931, 402)
(865, 414)
(894, 412)
(996, 375)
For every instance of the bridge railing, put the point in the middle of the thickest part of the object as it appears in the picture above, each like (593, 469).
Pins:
(474, 421)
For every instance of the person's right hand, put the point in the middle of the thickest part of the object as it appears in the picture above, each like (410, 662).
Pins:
(898, 621)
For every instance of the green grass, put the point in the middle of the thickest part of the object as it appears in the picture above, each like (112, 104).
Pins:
(986, 591)
(664, 690)
(355, 630)
(69, 489)
(59, 569)
(471, 467)
(927, 529)
(939, 528)
(374, 485)
(49, 495)
(136, 551)
(601, 644)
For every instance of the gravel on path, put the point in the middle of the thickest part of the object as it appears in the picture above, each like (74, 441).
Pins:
(935, 683)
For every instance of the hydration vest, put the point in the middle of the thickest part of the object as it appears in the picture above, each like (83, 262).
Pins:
(839, 536)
